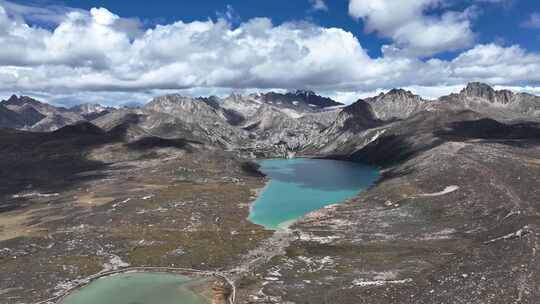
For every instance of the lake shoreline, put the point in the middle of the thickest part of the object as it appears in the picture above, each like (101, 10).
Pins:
(82, 283)
(298, 186)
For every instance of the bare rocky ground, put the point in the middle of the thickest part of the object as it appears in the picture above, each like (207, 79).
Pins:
(457, 222)
(157, 207)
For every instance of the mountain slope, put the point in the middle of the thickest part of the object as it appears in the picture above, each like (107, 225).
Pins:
(208, 120)
(40, 116)
(396, 104)
(343, 132)
(10, 119)
(503, 105)
(134, 123)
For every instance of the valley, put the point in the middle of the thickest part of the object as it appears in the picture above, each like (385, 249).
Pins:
(454, 216)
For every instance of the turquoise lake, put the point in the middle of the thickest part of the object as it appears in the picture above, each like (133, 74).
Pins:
(139, 288)
(300, 185)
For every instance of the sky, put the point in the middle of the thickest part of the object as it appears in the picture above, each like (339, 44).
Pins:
(115, 52)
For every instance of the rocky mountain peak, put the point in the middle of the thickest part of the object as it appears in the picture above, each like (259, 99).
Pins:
(304, 93)
(478, 89)
(201, 113)
(485, 91)
(174, 101)
(15, 100)
(395, 95)
(358, 107)
(396, 104)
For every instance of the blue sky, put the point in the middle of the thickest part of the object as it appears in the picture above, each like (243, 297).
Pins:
(498, 21)
(342, 48)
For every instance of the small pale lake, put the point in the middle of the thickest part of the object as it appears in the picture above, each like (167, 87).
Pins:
(140, 288)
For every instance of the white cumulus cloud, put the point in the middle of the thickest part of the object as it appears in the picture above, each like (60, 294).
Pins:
(101, 55)
(412, 30)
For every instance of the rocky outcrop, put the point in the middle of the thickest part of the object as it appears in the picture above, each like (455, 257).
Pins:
(484, 91)
(221, 292)
(396, 104)
(245, 106)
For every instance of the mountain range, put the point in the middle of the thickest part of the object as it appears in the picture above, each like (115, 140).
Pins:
(272, 123)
